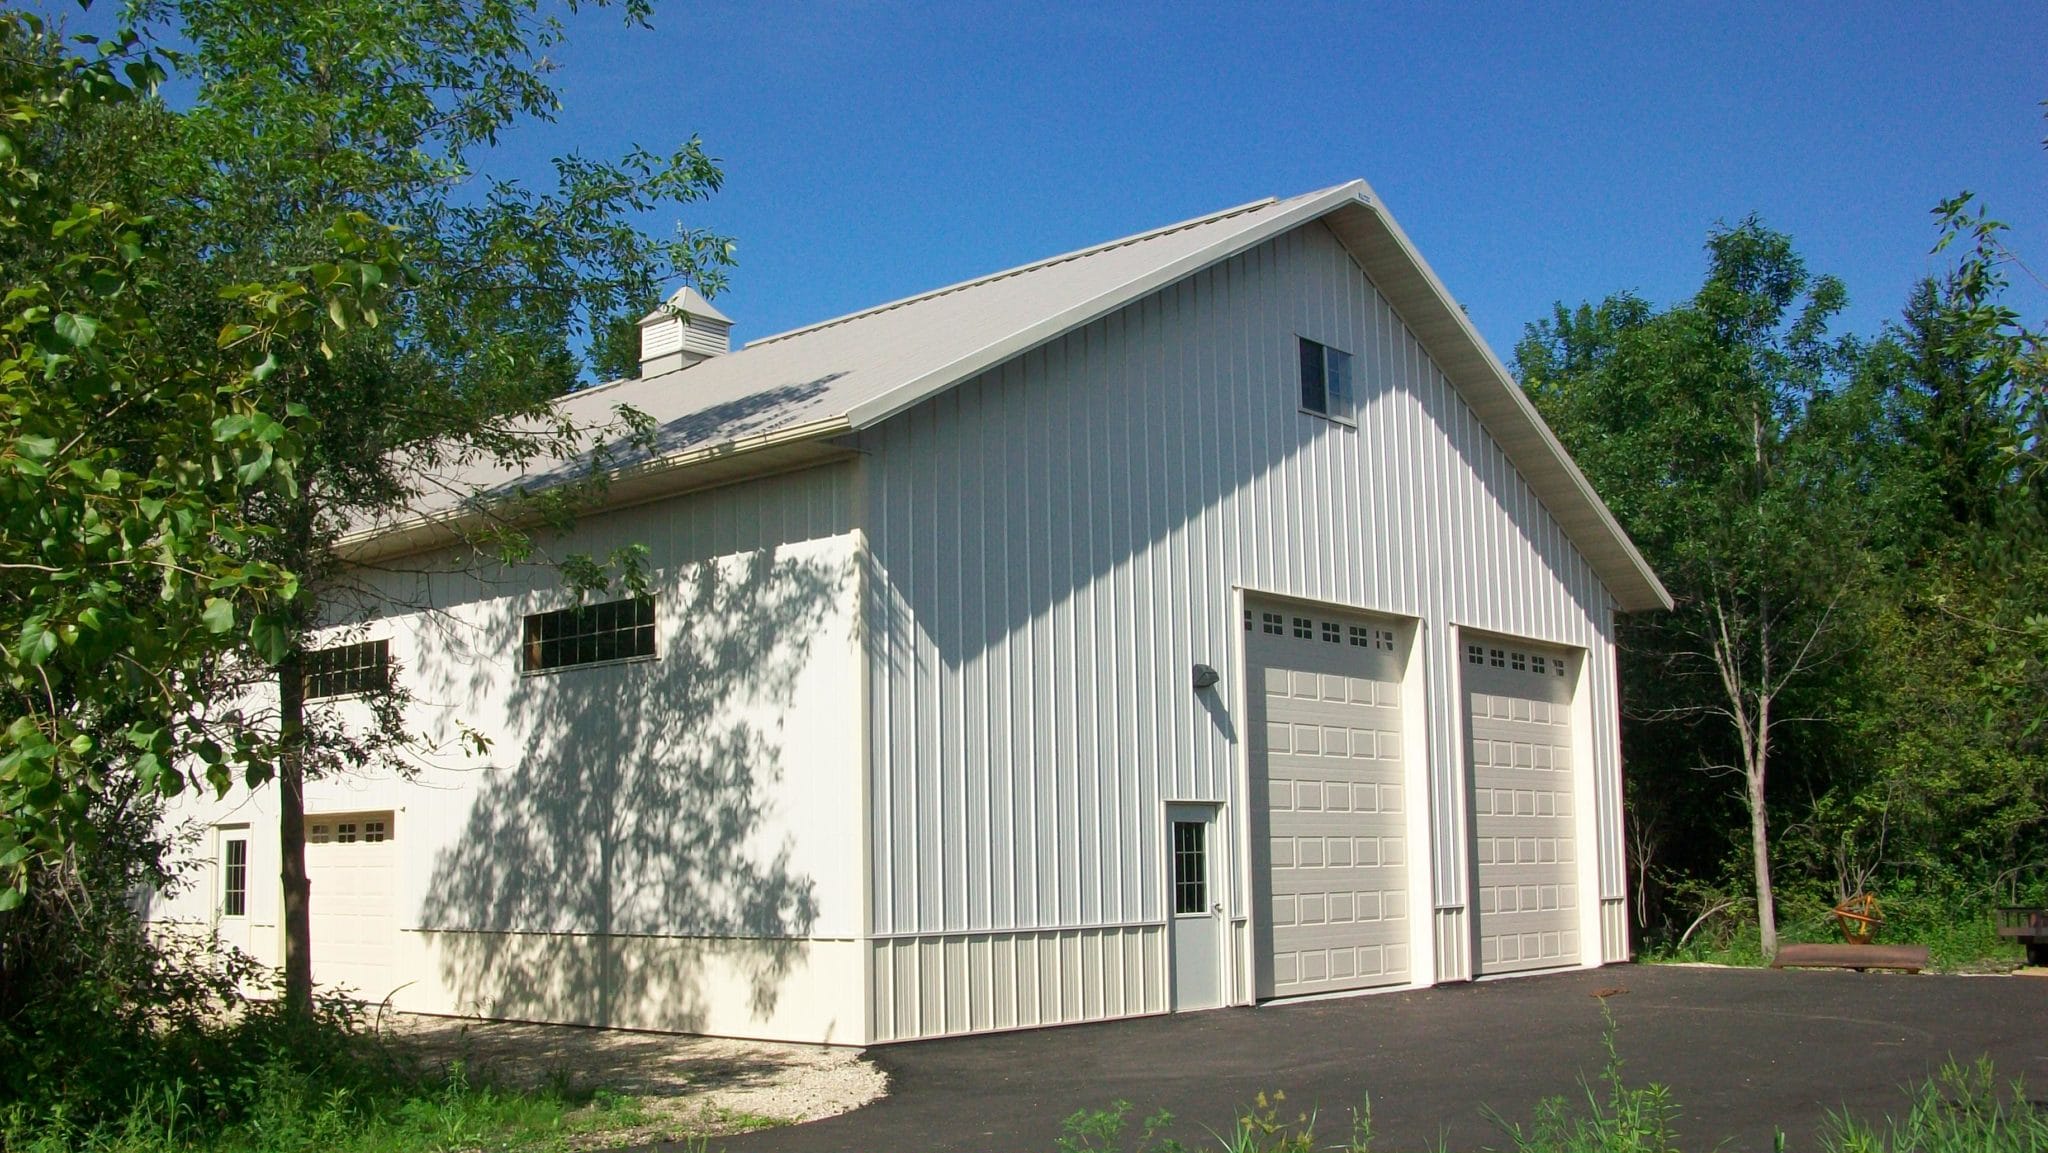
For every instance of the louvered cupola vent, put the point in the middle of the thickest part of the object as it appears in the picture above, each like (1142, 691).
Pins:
(682, 332)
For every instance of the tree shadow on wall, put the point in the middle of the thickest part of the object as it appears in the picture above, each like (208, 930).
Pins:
(601, 877)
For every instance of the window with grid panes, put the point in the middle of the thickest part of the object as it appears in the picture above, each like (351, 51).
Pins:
(234, 877)
(343, 669)
(1190, 868)
(590, 634)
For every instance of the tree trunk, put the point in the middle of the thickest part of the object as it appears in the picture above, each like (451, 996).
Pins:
(291, 836)
(1760, 850)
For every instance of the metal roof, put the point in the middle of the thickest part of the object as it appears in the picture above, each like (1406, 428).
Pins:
(777, 403)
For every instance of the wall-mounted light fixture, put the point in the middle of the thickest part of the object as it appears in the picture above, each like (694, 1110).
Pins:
(1205, 677)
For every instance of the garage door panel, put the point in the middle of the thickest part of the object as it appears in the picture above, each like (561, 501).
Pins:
(354, 885)
(1333, 835)
(1525, 891)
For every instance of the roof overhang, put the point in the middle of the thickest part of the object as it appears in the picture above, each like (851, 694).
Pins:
(728, 462)
(1412, 288)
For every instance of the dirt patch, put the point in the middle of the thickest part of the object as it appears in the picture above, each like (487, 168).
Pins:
(681, 1086)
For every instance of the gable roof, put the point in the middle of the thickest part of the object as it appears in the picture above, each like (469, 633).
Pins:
(779, 402)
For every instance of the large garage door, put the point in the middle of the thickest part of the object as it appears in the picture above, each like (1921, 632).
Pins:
(1330, 828)
(351, 861)
(1518, 707)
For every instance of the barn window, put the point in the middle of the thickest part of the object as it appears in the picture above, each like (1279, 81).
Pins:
(1325, 380)
(1500, 659)
(1384, 638)
(234, 877)
(343, 669)
(1475, 654)
(1275, 625)
(1536, 665)
(1304, 628)
(1331, 633)
(590, 634)
(1361, 636)
(1520, 661)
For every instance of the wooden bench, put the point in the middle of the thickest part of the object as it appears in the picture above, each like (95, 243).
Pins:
(1910, 958)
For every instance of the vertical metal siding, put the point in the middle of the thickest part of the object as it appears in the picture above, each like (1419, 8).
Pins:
(1056, 542)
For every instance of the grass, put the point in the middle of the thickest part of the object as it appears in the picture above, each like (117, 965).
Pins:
(1954, 943)
(291, 1112)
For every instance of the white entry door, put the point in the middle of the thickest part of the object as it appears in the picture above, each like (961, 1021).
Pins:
(1197, 907)
(1330, 822)
(352, 864)
(1524, 806)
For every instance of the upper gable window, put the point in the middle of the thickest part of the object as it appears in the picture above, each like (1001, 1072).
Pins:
(1325, 380)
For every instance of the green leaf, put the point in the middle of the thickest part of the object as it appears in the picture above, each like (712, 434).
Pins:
(219, 615)
(75, 329)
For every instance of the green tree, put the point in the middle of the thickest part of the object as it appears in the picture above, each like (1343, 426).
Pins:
(127, 456)
(1717, 431)
(308, 112)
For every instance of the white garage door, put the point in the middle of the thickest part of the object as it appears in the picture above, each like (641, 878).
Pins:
(1518, 707)
(1330, 839)
(351, 860)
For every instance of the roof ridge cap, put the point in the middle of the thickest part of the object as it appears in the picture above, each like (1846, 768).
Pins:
(1033, 266)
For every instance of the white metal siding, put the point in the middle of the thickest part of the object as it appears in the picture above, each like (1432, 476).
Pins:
(1055, 543)
(666, 844)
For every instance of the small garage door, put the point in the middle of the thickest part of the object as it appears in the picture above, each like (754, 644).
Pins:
(1330, 827)
(1518, 707)
(351, 861)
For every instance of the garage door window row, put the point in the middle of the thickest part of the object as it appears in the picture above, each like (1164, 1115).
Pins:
(1514, 660)
(1331, 632)
(370, 830)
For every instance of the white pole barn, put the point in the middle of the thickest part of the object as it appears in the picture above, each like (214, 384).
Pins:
(1199, 619)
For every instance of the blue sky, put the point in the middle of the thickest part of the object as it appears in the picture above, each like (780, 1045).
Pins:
(1534, 154)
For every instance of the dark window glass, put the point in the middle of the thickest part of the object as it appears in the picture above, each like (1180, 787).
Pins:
(234, 878)
(1476, 654)
(1315, 394)
(590, 634)
(1190, 867)
(358, 668)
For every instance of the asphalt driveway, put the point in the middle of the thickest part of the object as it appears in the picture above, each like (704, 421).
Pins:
(1743, 1051)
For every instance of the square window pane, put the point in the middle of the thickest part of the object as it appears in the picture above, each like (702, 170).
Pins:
(1338, 386)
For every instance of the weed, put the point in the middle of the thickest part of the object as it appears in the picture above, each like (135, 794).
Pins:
(1617, 1117)
(1959, 1110)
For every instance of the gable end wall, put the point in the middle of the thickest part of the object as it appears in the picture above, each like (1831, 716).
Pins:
(1054, 544)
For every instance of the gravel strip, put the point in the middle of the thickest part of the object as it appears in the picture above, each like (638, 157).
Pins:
(687, 1085)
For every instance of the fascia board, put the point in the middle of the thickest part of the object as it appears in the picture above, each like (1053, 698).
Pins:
(1390, 258)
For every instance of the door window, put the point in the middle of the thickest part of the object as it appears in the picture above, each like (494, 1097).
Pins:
(234, 877)
(1190, 867)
